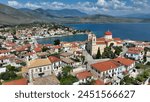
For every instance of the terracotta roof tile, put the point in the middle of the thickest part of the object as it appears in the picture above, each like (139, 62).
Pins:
(107, 65)
(83, 75)
(54, 59)
(99, 82)
(37, 49)
(124, 61)
(22, 81)
(108, 33)
(4, 51)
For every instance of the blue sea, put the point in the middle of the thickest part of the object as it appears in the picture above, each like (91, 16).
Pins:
(138, 31)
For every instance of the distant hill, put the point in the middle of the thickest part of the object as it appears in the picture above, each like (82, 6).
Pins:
(107, 19)
(57, 13)
(13, 16)
(9, 15)
(138, 15)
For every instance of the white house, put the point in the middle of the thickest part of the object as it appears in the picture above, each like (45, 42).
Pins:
(43, 67)
(4, 52)
(4, 59)
(135, 53)
(56, 64)
(127, 63)
(39, 68)
(112, 68)
(30, 56)
(2, 69)
(84, 76)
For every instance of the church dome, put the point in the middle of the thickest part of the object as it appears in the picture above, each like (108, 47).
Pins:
(108, 33)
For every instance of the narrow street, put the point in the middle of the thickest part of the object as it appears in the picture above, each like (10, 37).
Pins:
(90, 60)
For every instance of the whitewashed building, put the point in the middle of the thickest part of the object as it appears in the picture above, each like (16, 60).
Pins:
(112, 68)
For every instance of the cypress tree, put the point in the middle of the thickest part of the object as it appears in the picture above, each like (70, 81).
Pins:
(98, 55)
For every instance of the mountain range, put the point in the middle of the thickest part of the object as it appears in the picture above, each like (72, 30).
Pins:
(9, 15)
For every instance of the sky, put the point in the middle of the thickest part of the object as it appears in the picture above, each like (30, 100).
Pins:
(109, 7)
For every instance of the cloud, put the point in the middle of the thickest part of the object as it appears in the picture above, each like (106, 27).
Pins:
(101, 2)
(17, 4)
(32, 6)
(113, 4)
(112, 7)
(14, 4)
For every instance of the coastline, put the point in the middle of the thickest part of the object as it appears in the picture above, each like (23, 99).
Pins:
(55, 36)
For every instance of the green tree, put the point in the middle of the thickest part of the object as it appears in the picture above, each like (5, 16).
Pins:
(127, 80)
(146, 49)
(13, 31)
(83, 59)
(66, 70)
(10, 68)
(145, 74)
(5, 76)
(111, 45)
(68, 80)
(44, 49)
(108, 53)
(144, 58)
(23, 63)
(118, 50)
(56, 42)
(98, 55)
(140, 78)
(12, 75)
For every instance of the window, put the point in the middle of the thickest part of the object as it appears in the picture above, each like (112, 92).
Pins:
(36, 70)
(40, 69)
(44, 68)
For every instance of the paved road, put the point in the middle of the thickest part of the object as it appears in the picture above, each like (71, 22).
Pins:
(90, 60)
(125, 49)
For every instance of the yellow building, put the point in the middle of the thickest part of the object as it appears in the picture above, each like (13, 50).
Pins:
(94, 43)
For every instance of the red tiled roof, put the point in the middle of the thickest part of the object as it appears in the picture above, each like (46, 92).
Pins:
(135, 50)
(100, 39)
(124, 61)
(56, 47)
(101, 43)
(10, 44)
(108, 33)
(105, 66)
(83, 75)
(37, 49)
(48, 45)
(99, 82)
(116, 39)
(54, 59)
(74, 45)
(4, 57)
(39, 45)
(22, 81)
(21, 48)
(119, 42)
(30, 53)
(27, 45)
(4, 51)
